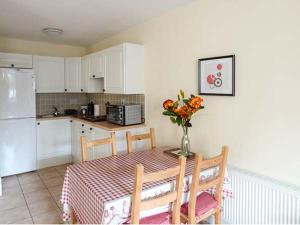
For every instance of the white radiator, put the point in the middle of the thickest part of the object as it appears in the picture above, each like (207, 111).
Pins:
(260, 200)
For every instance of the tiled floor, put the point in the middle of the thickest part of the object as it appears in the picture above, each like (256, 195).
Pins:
(33, 197)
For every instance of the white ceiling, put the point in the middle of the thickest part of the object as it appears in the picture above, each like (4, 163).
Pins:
(84, 21)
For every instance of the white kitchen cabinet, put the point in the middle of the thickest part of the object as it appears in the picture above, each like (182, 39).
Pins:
(97, 66)
(124, 69)
(73, 81)
(90, 85)
(49, 74)
(80, 128)
(101, 150)
(137, 145)
(10, 60)
(53, 142)
(76, 148)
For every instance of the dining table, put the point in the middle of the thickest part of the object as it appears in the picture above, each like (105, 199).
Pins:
(99, 191)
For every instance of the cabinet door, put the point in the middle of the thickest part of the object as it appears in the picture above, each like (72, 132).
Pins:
(75, 148)
(114, 78)
(53, 142)
(85, 71)
(90, 85)
(97, 65)
(73, 74)
(49, 74)
(101, 150)
(15, 60)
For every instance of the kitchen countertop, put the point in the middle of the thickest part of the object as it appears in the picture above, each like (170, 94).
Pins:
(102, 124)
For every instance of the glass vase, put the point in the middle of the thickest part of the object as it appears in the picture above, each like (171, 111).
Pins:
(185, 143)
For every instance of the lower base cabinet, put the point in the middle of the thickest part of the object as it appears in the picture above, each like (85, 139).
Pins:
(93, 133)
(58, 141)
(53, 142)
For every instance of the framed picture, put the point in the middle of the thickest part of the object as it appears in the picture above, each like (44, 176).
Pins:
(217, 76)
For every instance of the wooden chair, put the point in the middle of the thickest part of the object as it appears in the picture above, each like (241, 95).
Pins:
(201, 207)
(173, 197)
(85, 145)
(131, 138)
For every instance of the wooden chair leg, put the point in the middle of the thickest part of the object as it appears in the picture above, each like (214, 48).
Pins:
(73, 217)
(218, 217)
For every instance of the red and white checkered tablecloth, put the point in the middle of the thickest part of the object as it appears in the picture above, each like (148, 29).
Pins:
(93, 189)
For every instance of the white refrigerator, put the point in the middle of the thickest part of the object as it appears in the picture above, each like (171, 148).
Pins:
(17, 121)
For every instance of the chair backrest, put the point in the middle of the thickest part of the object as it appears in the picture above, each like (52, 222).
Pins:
(131, 138)
(85, 145)
(173, 197)
(199, 186)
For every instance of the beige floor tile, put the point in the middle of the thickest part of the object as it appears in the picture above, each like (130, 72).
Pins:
(61, 172)
(51, 217)
(46, 170)
(56, 190)
(51, 182)
(25, 221)
(33, 186)
(14, 215)
(10, 202)
(37, 196)
(50, 174)
(63, 167)
(11, 191)
(42, 206)
(57, 200)
(27, 178)
(10, 181)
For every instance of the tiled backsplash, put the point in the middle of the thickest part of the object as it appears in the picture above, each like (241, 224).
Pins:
(45, 102)
(101, 99)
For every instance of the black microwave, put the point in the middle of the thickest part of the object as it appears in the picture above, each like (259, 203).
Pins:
(124, 114)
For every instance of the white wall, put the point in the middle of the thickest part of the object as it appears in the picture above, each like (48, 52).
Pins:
(39, 48)
(262, 123)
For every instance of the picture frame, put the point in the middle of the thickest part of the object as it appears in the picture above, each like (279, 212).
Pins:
(217, 75)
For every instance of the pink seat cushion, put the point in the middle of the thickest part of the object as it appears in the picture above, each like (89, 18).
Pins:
(162, 218)
(205, 202)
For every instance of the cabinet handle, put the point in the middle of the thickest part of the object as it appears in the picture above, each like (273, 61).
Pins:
(38, 123)
(82, 132)
(81, 90)
(71, 121)
(94, 76)
(91, 128)
(103, 90)
(66, 89)
(82, 125)
(12, 65)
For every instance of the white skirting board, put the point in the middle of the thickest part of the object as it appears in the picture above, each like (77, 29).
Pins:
(260, 200)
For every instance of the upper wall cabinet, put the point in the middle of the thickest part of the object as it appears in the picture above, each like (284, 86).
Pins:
(73, 80)
(124, 69)
(49, 74)
(9, 60)
(97, 65)
(90, 84)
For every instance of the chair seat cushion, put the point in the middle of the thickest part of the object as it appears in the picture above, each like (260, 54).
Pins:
(204, 203)
(162, 218)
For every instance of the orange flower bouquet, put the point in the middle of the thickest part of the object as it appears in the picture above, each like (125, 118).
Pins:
(180, 113)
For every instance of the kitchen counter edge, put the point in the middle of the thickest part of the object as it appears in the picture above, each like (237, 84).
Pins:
(103, 124)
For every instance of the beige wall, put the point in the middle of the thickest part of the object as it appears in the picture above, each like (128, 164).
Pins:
(39, 48)
(262, 123)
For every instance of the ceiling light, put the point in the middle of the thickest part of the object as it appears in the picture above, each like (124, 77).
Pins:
(52, 32)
